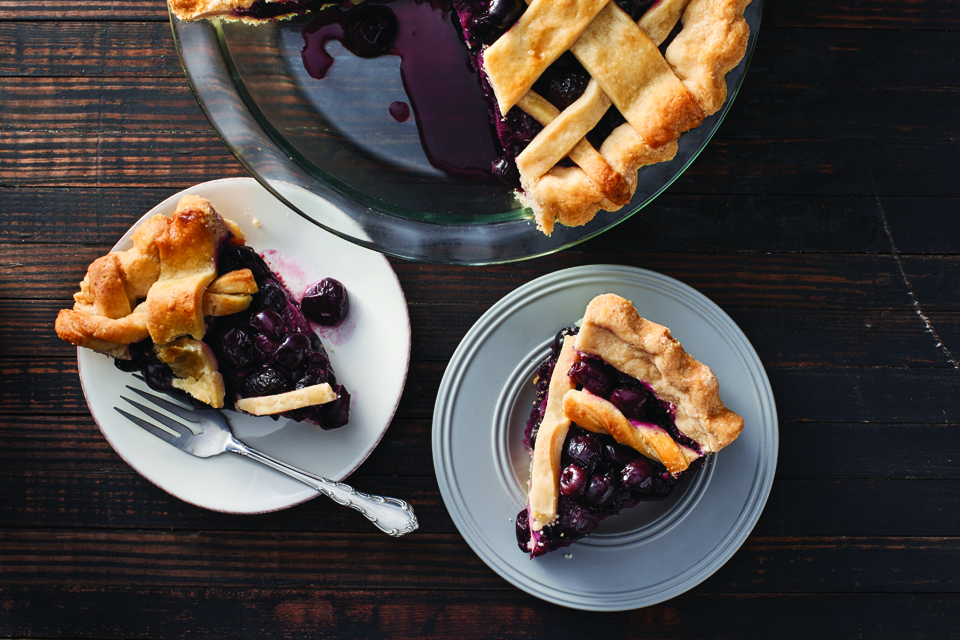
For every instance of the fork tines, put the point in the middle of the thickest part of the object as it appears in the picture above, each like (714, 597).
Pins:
(179, 430)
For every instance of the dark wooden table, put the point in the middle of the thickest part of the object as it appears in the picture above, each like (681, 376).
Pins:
(822, 218)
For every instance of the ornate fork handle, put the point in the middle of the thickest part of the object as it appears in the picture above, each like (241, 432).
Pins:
(392, 516)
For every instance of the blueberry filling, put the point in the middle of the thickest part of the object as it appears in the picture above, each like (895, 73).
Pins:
(269, 348)
(599, 477)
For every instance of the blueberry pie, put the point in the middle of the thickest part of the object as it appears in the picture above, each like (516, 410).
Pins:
(623, 415)
(191, 307)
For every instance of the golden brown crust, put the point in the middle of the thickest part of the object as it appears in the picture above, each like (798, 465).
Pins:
(281, 402)
(628, 66)
(188, 263)
(661, 97)
(567, 195)
(239, 281)
(614, 331)
(172, 264)
(548, 447)
(196, 9)
(194, 369)
(107, 335)
(544, 31)
(712, 42)
(593, 413)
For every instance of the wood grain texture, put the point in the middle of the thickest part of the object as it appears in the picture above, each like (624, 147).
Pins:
(58, 48)
(927, 451)
(117, 497)
(114, 105)
(120, 104)
(118, 558)
(761, 280)
(879, 14)
(673, 222)
(294, 612)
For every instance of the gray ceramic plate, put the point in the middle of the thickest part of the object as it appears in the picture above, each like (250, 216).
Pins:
(652, 552)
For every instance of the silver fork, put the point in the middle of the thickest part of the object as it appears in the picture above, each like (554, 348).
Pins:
(391, 515)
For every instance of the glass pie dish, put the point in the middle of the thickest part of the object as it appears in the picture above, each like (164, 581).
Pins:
(330, 139)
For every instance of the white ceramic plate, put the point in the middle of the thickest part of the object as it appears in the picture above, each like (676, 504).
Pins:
(647, 554)
(370, 353)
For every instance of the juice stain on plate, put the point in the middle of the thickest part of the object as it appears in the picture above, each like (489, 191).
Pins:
(297, 278)
(445, 96)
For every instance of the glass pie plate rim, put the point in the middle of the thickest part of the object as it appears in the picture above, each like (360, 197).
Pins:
(431, 235)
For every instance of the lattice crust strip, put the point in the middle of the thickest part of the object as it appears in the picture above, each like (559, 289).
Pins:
(546, 30)
(629, 68)
(660, 96)
(563, 133)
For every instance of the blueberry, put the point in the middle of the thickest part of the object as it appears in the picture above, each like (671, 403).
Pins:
(158, 376)
(558, 339)
(573, 482)
(563, 90)
(639, 475)
(630, 402)
(243, 257)
(618, 454)
(576, 518)
(523, 530)
(334, 415)
(263, 348)
(316, 357)
(291, 351)
(601, 489)
(271, 296)
(618, 502)
(326, 302)
(635, 8)
(593, 375)
(370, 31)
(267, 381)
(585, 451)
(310, 379)
(505, 168)
(235, 345)
(269, 323)
(503, 13)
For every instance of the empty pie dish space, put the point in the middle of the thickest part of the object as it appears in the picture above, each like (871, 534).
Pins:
(287, 127)
(651, 552)
(370, 350)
